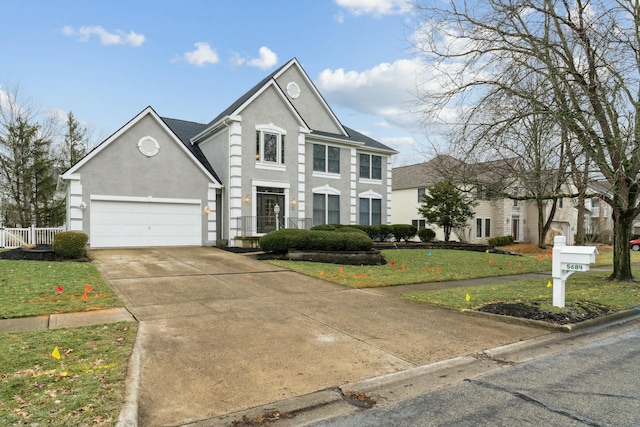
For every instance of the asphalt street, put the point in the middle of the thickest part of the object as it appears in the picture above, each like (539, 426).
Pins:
(597, 384)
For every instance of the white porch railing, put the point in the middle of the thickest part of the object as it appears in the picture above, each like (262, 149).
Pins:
(15, 237)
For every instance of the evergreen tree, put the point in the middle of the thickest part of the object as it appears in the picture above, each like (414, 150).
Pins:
(446, 206)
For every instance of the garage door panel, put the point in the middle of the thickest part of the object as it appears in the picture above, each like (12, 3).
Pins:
(139, 224)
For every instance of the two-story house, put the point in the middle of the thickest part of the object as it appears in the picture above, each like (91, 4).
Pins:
(494, 216)
(276, 157)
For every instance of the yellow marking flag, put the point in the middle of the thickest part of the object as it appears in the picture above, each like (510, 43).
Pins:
(56, 353)
(468, 297)
(549, 284)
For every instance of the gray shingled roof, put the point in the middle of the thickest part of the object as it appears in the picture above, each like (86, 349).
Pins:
(185, 130)
(444, 167)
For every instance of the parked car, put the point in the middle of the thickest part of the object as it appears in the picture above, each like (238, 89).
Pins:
(635, 245)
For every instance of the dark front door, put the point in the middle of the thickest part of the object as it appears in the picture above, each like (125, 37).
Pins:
(268, 198)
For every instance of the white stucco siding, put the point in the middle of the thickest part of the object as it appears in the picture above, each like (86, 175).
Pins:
(315, 114)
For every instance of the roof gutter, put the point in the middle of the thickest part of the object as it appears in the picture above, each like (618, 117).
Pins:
(214, 128)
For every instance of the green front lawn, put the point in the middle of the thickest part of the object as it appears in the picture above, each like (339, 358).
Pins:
(31, 288)
(406, 266)
(86, 385)
(590, 287)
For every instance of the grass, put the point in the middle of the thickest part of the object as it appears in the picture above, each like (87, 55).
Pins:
(590, 287)
(30, 288)
(406, 266)
(84, 387)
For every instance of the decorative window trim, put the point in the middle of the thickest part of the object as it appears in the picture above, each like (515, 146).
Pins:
(293, 90)
(370, 194)
(326, 189)
(148, 146)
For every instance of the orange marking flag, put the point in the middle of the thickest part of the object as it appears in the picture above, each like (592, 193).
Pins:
(88, 288)
(85, 297)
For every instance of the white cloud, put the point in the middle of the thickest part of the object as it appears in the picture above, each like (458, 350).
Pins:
(58, 116)
(399, 142)
(266, 60)
(376, 7)
(203, 54)
(339, 18)
(118, 37)
(387, 90)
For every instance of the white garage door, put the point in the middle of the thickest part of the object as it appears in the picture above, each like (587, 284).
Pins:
(141, 224)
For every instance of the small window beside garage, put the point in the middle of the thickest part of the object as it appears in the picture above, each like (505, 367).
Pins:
(148, 146)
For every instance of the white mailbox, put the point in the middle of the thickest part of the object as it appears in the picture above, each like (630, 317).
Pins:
(566, 261)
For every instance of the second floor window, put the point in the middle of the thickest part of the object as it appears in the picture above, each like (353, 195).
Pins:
(421, 194)
(370, 166)
(326, 158)
(269, 147)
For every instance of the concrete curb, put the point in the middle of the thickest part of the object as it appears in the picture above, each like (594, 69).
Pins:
(128, 416)
(66, 320)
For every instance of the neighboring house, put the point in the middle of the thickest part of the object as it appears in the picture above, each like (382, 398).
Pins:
(494, 216)
(277, 157)
(598, 219)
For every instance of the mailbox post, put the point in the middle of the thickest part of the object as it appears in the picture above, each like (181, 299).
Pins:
(566, 261)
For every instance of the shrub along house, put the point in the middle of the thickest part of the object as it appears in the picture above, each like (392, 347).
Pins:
(277, 157)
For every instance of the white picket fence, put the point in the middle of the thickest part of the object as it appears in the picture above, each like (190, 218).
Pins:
(16, 237)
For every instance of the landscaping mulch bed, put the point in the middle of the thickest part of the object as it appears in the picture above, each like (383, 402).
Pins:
(39, 253)
(579, 312)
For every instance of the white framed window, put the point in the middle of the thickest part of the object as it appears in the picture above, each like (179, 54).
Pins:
(370, 208)
(326, 158)
(270, 145)
(370, 211)
(480, 223)
(370, 167)
(326, 209)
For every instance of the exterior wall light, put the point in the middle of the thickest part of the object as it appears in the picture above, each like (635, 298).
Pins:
(82, 205)
(207, 210)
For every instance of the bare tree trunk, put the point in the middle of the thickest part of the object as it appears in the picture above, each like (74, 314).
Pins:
(622, 222)
(580, 231)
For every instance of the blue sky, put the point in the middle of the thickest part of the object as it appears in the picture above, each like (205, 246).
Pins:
(107, 60)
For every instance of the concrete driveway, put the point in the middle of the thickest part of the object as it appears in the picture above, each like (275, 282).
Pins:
(222, 332)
